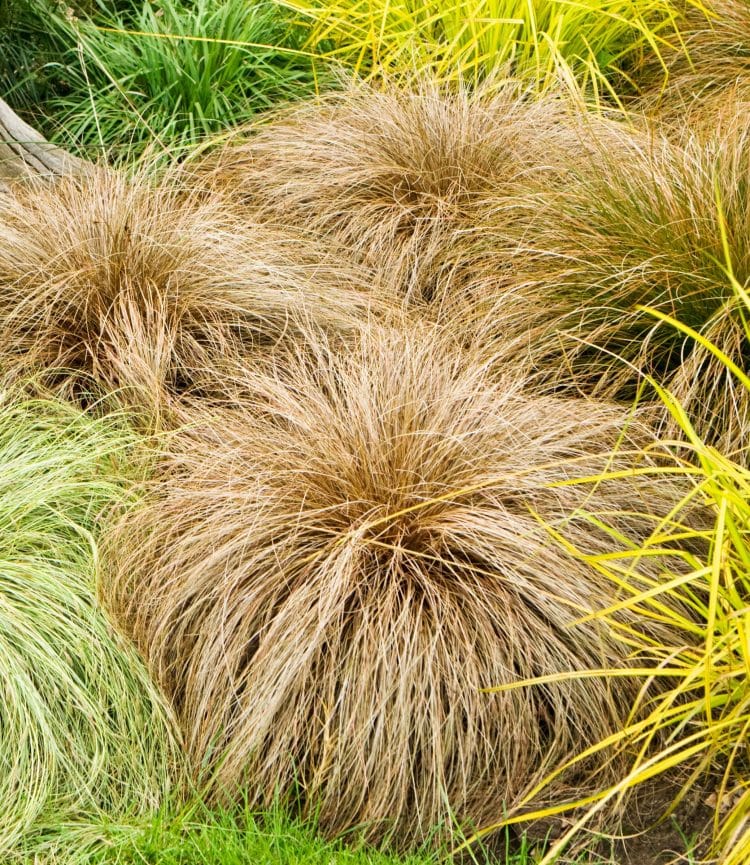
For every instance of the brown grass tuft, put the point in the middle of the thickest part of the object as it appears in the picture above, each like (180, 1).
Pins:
(406, 179)
(709, 70)
(109, 283)
(645, 225)
(323, 579)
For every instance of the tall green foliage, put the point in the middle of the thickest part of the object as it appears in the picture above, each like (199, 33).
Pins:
(121, 76)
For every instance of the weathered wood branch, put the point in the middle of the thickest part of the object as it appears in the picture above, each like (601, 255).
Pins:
(24, 152)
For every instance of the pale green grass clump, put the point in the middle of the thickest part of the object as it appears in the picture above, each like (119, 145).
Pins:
(84, 732)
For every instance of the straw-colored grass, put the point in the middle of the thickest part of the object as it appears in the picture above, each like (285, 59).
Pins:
(115, 284)
(410, 181)
(711, 69)
(84, 731)
(657, 223)
(324, 578)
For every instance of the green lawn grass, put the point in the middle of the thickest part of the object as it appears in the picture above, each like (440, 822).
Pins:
(199, 835)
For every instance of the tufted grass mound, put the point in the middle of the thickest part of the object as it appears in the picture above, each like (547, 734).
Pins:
(697, 729)
(418, 183)
(136, 287)
(84, 731)
(325, 576)
(662, 224)
(708, 76)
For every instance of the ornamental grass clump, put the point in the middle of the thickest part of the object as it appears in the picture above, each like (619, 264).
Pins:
(324, 578)
(122, 78)
(596, 46)
(85, 734)
(409, 180)
(135, 287)
(658, 224)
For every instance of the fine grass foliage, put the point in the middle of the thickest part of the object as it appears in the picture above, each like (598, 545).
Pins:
(84, 731)
(118, 78)
(134, 287)
(25, 46)
(593, 45)
(409, 180)
(709, 73)
(323, 578)
(656, 223)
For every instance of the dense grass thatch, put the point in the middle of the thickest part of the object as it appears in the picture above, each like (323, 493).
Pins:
(84, 731)
(129, 285)
(655, 224)
(711, 69)
(410, 181)
(324, 578)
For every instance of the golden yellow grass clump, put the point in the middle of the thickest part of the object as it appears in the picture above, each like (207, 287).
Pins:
(407, 179)
(325, 577)
(110, 283)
